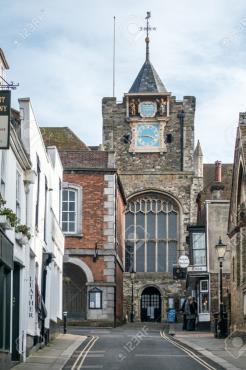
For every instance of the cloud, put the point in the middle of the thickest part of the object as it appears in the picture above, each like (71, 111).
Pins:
(65, 62)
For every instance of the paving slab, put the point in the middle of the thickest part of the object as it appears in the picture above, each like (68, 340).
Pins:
(211, 347)
(53, 356)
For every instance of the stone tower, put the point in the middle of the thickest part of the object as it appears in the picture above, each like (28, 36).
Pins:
(152, 136)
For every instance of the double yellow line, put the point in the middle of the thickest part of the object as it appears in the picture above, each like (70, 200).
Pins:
(189, 352)
(82, 356)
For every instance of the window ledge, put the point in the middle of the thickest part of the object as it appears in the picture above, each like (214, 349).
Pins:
(74, 235)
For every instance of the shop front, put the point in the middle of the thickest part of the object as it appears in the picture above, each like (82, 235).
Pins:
(6, 266)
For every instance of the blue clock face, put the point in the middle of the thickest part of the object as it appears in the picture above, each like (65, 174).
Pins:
(148, 135)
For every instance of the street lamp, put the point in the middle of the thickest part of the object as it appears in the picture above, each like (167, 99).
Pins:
(132, 274)
(221, 251)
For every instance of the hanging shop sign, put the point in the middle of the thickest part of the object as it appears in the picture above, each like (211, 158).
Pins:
(5, 106)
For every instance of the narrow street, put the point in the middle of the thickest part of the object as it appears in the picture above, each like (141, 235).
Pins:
(132, 347)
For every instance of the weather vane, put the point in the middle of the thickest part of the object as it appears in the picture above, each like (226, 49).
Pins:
(148, 28)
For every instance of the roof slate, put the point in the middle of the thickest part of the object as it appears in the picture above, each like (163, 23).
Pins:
(63, 138)
(147, 80)
(78, 159)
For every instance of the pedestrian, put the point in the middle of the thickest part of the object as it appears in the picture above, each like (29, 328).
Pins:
(192, 314)
(188, 313)
(184, 314)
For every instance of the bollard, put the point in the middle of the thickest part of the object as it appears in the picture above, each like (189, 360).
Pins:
(216, 319)
(65, 322)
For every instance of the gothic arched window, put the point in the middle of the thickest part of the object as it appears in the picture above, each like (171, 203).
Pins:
(151, 234)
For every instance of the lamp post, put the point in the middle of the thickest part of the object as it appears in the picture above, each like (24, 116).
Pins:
(132, 273)
(221, 251)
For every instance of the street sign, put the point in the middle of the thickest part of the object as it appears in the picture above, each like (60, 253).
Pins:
(4, 118)
(183, 261)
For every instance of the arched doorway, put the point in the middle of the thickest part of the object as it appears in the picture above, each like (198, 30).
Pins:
(74, 292)
(151, 304)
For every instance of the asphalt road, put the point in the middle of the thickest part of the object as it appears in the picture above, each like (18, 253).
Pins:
(133, 347)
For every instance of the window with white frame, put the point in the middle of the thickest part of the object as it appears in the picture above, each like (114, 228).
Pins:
(151, 234)
(198, 248)
(3, 173)
(18, 195)
(71, 209)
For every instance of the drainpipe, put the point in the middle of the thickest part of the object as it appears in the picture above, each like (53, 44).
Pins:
(181, 116)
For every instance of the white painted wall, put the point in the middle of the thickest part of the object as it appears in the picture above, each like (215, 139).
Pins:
(31, 254)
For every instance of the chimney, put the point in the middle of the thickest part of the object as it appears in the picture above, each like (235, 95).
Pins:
(218, 168)
(217, 186)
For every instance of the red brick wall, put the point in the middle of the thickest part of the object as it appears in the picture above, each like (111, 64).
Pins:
(119, 294)
(92, 212)
(92, 218)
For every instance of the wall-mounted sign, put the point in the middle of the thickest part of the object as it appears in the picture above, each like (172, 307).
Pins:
(183, 261)
(5, 106)
(197, 268)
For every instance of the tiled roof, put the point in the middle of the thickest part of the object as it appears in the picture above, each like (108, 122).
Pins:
(147, 80)
(78, 159)
(63, 138)
(208, 180)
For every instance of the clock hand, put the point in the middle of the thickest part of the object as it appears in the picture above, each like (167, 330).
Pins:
(152, 137)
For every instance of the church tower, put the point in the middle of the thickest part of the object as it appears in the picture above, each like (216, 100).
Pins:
(152, 137)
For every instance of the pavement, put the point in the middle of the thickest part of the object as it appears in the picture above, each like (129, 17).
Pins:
(229, 353)
(55, 355)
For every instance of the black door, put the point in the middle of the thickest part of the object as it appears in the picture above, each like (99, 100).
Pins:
(151, 305)
(16, 350)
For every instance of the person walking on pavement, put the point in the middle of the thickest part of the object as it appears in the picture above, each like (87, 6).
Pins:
(191, 314)
(184, 314)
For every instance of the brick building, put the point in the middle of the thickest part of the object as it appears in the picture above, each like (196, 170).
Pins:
(237, 230)
(152, 135)
(93, 204)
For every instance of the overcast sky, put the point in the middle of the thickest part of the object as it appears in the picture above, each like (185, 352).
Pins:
(61, 54)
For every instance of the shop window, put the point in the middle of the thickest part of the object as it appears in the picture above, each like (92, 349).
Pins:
(204, 297)
(95, 298)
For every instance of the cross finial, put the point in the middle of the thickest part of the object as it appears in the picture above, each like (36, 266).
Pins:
(147, 29)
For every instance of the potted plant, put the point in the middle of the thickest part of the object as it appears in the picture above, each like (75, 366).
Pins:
(8, 218)
(22, 234)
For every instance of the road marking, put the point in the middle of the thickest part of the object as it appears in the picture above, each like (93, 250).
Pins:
(189, 352)
(145, 355)
(87, 351)
(81, 353)
(92, 367)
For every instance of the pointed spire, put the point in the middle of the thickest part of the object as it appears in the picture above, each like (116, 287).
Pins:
(147, 80)
(198, 150)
